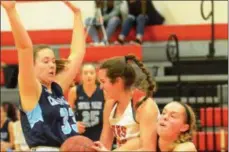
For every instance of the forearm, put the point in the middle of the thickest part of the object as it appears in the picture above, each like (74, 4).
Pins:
(78, 38)
(21, 37)
(107, 142)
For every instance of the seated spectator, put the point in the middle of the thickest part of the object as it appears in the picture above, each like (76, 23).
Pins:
(176, 127)
(141, 13)
(7, 135)
(110, 16)
(19, 139)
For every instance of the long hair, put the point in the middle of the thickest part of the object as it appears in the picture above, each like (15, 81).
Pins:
(119, 67)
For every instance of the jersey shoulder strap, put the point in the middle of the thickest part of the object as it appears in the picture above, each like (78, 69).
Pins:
(137, 96)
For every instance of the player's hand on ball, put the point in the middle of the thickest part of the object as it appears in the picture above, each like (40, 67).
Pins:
(99, 146)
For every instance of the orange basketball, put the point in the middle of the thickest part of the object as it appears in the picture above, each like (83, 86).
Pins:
(77, 143)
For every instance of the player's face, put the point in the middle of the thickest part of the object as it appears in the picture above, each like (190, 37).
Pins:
(105, 83)
(172, 121)
(45, 65)
(88, 74)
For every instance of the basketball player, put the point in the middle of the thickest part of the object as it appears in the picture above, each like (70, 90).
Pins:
(176, 127)
(47, 119)
(132, 123)
(6, 131)
(88, 101)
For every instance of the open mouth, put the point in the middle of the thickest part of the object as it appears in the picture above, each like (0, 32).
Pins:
(162, 125)
(51, 73)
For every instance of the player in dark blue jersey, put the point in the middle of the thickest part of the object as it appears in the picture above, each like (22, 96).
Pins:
(6, 129)
(88, 101)
(47, 119)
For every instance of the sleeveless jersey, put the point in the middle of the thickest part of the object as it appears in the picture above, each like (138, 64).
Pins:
(124, 127)
(89, 110)
(51, 122)
(4, 131)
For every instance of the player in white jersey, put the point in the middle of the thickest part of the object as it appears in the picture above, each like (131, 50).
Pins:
(132, 121)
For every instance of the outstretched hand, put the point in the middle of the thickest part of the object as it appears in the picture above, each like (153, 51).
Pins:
(99, 146)
(8, 5)
(71, 6)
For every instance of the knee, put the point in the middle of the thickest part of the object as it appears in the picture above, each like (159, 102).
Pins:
(141, 18)
(88, 21)
(114, 20)
(130, 17)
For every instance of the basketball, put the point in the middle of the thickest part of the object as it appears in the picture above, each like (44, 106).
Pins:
(77, 143)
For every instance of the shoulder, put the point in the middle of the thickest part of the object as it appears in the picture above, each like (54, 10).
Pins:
(10, 125)
(148, 109)
(73, 89)
(109, 104)
(187, 146)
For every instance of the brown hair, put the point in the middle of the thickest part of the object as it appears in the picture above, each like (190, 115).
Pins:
(60, 63)
(119, 67)
(191, 121)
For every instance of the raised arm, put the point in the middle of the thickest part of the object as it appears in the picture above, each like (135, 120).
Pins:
(77, 52)
(29, 91)
(72, 97)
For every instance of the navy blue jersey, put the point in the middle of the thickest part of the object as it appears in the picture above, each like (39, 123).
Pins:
(51, 122)
(4, 131)
(89, 110)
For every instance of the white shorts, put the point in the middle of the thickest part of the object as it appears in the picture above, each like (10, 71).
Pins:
(44, 148)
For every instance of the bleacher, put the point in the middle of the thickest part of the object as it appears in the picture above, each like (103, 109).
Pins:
(203, 81)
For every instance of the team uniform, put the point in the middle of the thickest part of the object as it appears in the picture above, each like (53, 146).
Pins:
(89, 110)
(124, 127)
(4, 131)
(50, 123)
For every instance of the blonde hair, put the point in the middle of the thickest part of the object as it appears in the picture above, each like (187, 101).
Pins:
(187, 135)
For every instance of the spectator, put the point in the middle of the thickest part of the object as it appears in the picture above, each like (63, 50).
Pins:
(110, 17)
(6, 130)
(19, 139)
(141, 13)
(10, 111)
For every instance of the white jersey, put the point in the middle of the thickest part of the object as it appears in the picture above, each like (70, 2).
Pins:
(124, 127)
